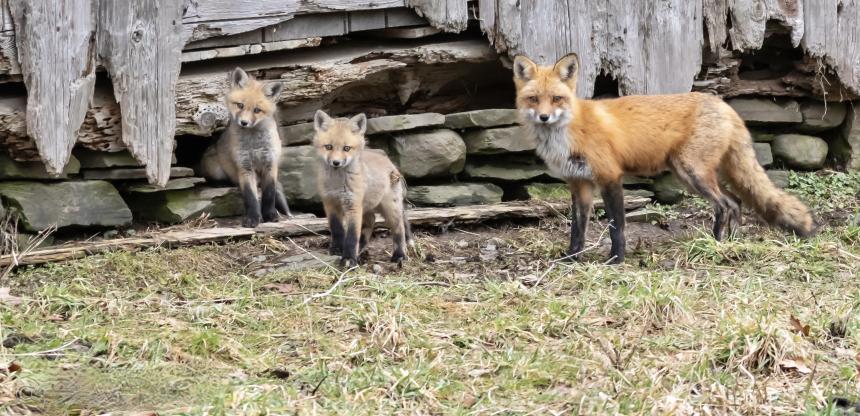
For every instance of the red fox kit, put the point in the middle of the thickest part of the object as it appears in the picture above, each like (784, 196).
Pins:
(697, 136)
(354, 185)
(248, 151)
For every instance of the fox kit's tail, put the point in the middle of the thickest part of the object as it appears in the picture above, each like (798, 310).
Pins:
(748, 179)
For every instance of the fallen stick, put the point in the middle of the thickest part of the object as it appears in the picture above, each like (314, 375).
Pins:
(422, 217)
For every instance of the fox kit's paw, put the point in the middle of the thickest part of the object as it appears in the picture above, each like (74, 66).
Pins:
(270, 216)
(251, 221)
(335, 250)
(348, 262)
(399, 257)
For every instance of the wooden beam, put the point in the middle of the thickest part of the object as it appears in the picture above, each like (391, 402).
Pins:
(422, 217)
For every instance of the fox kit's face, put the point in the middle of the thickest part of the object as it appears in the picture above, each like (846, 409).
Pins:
(250, 101)
(544, 93)
(339, 140)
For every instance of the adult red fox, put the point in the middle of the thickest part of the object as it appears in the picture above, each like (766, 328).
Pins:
(595, 142)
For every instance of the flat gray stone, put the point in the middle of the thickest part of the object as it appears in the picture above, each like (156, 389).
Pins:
(180, 205)
(389, 124)
(819, 116)
(759, 111)
(800, 151)
(505, 171)
(455, 194)
(172, 185)
(298, 175)
(499, 140)
(482, 118)
(120, 174)
(65, 204)
(762, 137)
(763, 154)
(10, 169)
(428, 154)
(297, 134)
(641, 193)
(778, 177)
(846, 147)
(93, 159)
(644, 215)
(668, 189)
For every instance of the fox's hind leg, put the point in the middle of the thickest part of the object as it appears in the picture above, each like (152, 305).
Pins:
(281, 201)
(392, 210)
(270, 187)
(248, 188)
(703, 180)
(367, 224)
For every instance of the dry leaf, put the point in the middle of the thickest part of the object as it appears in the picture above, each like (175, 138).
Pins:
(799, 327)
(282, 288)
(14, 367)
(7, 298)
(796, 365)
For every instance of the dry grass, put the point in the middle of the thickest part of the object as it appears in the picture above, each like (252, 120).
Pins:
(763, 324)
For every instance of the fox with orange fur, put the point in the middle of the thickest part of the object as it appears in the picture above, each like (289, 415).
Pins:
(596, 142)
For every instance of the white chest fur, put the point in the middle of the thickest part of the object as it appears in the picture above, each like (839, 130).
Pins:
(554, 147)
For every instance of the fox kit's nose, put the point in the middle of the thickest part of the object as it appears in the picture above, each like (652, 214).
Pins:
(244, 123)
(544, 117)
(335, 163)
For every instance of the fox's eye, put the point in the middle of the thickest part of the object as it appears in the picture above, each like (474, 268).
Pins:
(346, 148)
(240, 105)
(328, 147)
(556, 99)
(533, 99)
(257, 110)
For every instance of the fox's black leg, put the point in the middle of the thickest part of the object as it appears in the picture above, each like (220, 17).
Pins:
(270, 193)
(352, 230)
(335, 248)
(281, 201)
(248, 187)
(581, 199)
(613, 201)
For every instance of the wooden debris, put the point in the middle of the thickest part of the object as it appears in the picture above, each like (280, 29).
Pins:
(423, 217)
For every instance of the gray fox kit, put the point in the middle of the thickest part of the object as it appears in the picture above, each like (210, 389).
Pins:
(354, 184)
(248, 151)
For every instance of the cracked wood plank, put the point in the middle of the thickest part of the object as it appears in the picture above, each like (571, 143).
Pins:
(141, 48)
(57, 56)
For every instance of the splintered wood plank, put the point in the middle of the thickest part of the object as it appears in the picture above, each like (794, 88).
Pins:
(448, 15)
(426, 217)
(55, 47)
(832, 33)
(141, 46)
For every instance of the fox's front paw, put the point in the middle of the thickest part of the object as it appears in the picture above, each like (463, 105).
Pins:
(251, 221)
(270, 216)
(335, 250)
(348, 262)
(399, 258)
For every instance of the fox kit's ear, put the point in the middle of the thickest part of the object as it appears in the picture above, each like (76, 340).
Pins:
(238, 78)
(524, 68)
(567, 67)
(359, 123)
(273, 90)
(322, 121)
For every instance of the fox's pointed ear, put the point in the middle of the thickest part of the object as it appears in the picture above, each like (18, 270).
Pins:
(321, 121)
(567, 67)
(238, 78)
(524, 68)
(359, 123)
(273, 90)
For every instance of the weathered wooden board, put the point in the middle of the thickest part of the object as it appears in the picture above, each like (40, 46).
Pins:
(141, 48)
(832, 33)
(59, 71)
(448, 15)
(426, 217)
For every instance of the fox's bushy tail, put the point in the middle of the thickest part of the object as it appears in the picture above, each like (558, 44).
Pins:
(751, 183)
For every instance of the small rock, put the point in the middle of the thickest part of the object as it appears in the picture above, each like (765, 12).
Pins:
(455, 194)
(799, 151)
(376, 269)
(763, 154)
(499, 140)
(130, 173)
(759, 111)
(481, 118)
(176, 206)
(110, 234)
(644, 215)
(668, 189)
(433, 153)
(130, 233)
(66, 204)
(641, 193)
(778, 177)
(10, 169)
(388, 124)
(819, 116)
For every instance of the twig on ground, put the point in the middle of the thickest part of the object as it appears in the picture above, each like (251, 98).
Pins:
(340, 281)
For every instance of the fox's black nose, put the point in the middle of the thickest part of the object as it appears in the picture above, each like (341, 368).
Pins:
(244, 123)
(335, 163)
(544, 117)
